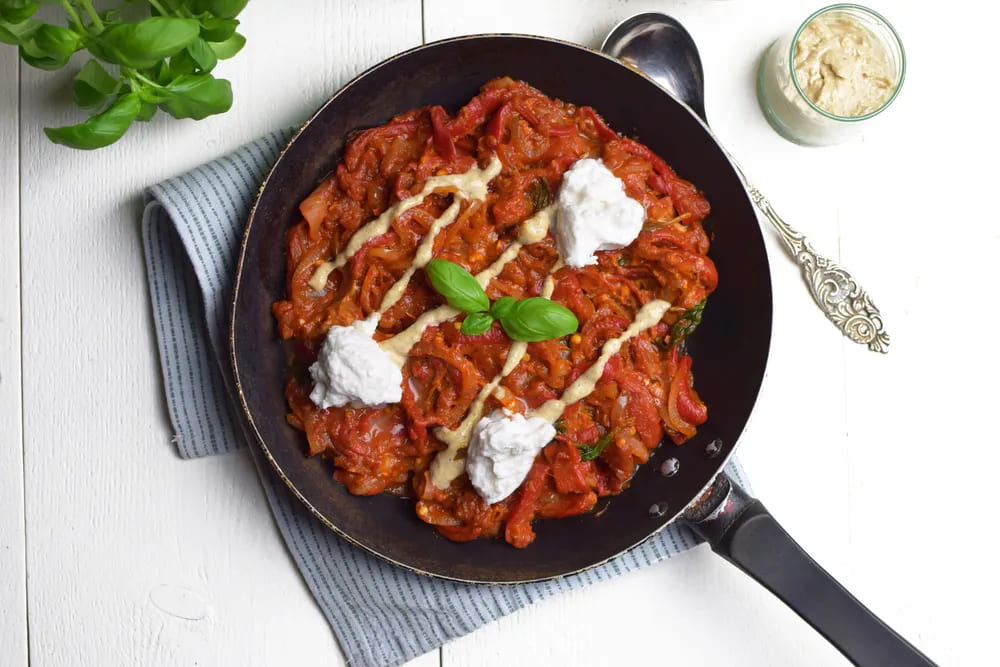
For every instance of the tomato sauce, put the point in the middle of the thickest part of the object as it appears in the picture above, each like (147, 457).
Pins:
(646, 391)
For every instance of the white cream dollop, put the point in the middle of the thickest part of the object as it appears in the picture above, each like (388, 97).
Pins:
(502, 450)
(594, 213)
(352, 368)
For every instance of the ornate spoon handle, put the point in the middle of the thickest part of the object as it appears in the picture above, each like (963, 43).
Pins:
(833, 288)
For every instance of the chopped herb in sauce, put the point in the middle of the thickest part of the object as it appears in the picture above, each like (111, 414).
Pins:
(540, 194)
(592, 451)
(686, 325)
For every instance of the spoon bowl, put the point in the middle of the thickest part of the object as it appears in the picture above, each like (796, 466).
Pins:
(660, 47)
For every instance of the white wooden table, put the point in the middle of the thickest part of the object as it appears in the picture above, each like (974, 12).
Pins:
(113, 551)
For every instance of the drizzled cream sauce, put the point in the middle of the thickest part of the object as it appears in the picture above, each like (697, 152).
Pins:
(446, 465)
(533, 230)
(470, 185)
(647, 317)
(421, 259)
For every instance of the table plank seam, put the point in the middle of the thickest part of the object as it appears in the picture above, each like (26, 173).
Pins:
(20, 360)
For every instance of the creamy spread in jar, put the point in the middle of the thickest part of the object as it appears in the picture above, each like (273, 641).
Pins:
(842, 66)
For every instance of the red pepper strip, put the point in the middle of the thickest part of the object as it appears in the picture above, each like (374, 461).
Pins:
(560, 130)
(685, 196)
(442, 136)
(568, 470)
(679, 387)
(474, 114)
(668, 236)
(641, 402)
(314, 207)
(359, 262)
(418, 436)
(495, 334)
(689, 406)
(460, 533)
(518, 530)
(603, 131)
(498, 123)
(646, 153)
(569, 293)
(356, 147)
(526, 113)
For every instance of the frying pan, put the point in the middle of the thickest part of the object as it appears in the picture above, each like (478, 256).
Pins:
(730, 348)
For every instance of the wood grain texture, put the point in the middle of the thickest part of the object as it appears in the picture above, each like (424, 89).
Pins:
(13, 611)
(136, 557)
(921, 429)
(831, 446)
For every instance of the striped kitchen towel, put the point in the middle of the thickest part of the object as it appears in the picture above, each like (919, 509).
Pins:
(381, 615)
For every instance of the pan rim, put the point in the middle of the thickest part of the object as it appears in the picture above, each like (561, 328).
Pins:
(238, 282)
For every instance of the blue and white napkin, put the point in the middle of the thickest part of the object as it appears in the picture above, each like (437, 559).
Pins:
(381, 615)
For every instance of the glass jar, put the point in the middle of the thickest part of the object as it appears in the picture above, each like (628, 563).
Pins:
(790, 111)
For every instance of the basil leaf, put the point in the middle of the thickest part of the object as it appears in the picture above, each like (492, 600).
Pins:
(144, 44)
(50, 47)
(146, 112)
(100, 130)
(477, 323)
(218, 30)
(202, 55)
(18, 33)
(229, 47)
(17, 11)
(457, 286)
(686, 325)
(92, 85)
(224, 9)
(197, 96)
(593, 450)
(540, 194)
(182, 63)
(501, 307)
(538, 318)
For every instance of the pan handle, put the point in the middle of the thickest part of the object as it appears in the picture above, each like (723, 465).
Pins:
(741, 530)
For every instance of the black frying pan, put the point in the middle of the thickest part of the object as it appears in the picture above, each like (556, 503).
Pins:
(730, 348)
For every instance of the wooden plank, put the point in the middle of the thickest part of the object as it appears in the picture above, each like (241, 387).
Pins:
(923, 229)
(13, 610)
(137, 557)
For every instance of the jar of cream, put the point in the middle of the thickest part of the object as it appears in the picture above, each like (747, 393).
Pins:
(843, 66)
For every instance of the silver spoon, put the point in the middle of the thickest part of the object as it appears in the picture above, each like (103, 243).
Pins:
(660, 47)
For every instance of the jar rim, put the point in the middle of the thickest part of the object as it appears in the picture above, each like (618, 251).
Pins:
(878, 17)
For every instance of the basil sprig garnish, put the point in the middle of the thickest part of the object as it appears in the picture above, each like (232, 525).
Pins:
(459, 288)
(533, 319)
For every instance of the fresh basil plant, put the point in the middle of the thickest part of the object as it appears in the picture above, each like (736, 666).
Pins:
(160, 62)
